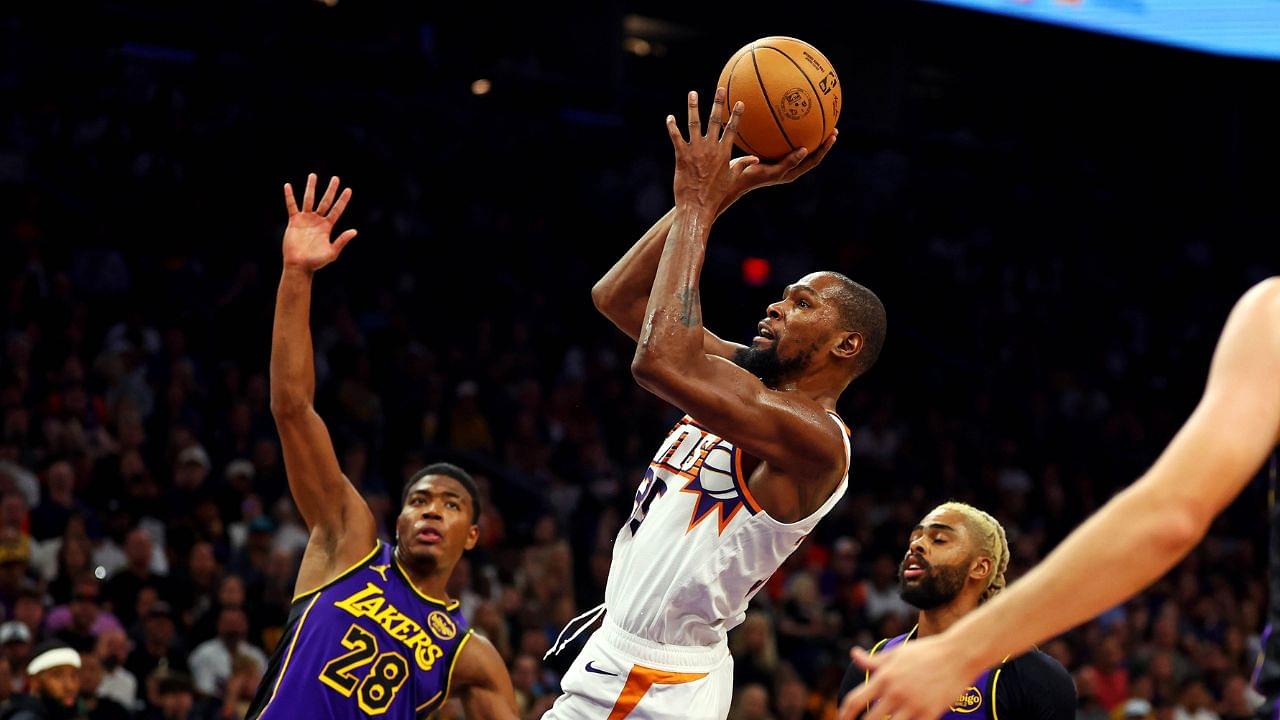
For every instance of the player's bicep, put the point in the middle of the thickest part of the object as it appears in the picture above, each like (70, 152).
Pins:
(765, 423)
(328, 503)
(1244, 380)
(484, 685)
(1236, 423)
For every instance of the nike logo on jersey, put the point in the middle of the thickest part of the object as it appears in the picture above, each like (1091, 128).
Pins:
(592, 669)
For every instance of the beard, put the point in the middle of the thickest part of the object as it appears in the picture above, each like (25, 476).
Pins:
(765, 363)
(939, 586)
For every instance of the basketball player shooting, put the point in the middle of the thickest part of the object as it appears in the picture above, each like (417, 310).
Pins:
(1128, 544)
(371, 630)
(759, 459)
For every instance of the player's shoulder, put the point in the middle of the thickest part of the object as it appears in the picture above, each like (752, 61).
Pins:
(1262, 299)
(1037, 659)
(1035, 685)
(1038, 670)
(826, 421)
(478, 658)
(1269, 287)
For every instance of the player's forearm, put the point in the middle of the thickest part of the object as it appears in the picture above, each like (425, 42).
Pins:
(293, 375)
(1142, 532)
(672, 332)
(1149, 527)
(620, 295)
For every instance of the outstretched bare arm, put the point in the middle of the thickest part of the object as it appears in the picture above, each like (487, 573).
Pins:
(791, 433)
(1133, 540)
(341, 525)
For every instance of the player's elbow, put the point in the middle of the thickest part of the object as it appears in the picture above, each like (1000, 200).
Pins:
(1178, 523)
(287, 406)
(1183, 528)
(608, 303)
(644, 368)
(650, 368)
(600, 296)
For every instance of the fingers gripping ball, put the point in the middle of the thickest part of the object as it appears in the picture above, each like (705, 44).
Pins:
(791, 92)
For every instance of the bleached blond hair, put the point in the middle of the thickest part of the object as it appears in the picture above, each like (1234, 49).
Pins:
(991, 541)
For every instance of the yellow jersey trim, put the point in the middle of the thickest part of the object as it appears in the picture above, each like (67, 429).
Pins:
(377, 545)
(427, 704)
(297, 632)
(448, 681)
(405, 575)
(867, 675)
(995, 682)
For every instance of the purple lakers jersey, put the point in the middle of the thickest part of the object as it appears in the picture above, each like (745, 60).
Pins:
(977, 702)
(366, 643)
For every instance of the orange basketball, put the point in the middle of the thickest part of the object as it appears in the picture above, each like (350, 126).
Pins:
(791, 93)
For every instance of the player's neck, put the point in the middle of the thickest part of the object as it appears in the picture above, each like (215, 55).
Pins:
(817, 389)
(430, 579)
(937, 620)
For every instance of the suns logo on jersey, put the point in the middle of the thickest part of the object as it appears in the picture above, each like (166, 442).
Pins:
(707, 466)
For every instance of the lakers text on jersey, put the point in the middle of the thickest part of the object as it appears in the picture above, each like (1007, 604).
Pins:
(367, 643)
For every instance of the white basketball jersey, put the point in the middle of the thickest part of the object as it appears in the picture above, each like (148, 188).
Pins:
(697, 546)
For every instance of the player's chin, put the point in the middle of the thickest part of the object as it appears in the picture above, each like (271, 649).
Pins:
(423, 551)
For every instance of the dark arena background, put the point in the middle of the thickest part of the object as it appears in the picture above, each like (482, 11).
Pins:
(1057, 221)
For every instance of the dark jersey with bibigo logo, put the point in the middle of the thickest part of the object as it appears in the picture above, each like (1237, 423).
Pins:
(1032, 686)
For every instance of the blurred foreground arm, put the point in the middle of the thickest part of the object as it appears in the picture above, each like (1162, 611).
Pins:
(1132, 541)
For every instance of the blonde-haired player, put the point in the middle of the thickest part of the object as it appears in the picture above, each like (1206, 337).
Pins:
(760, 458)
(1133, 540)
(956, 560)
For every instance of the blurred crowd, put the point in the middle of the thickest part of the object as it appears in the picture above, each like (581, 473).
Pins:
(145, 519)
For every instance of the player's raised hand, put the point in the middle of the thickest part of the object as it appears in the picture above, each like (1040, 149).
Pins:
(307, 244)
(797, 163)
(917, 681)
(704, 176)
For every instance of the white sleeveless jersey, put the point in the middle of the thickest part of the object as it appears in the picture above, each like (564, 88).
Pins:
(697, 546)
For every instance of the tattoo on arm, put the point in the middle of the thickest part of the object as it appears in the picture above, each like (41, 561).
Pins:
(690, 307)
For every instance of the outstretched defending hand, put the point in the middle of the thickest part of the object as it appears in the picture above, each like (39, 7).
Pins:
(306, 239)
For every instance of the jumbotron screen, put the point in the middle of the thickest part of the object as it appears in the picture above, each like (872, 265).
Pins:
(1242, 28)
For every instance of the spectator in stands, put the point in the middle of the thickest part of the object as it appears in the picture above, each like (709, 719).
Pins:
(117, 682)
(121, 590)
(213, 661)
(80, 622)
(53, 677)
